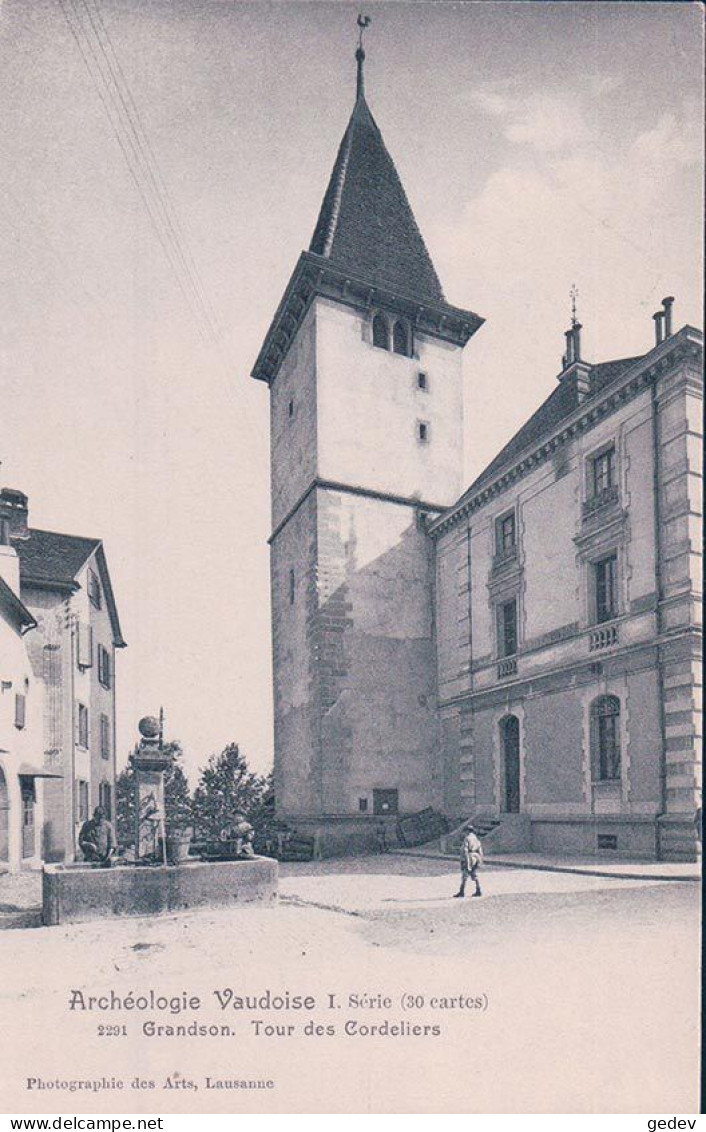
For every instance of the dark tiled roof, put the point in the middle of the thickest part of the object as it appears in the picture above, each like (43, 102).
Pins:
(560, 403)
(366, 225)
(50, 557)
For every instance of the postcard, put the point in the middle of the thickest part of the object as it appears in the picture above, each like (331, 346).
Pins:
(350, 557)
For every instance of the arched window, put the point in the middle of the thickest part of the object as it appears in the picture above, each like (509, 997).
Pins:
(400, 338)
(381, 332)
(605, 738)
(510, 738)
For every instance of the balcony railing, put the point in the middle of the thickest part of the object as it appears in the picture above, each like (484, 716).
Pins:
(603, 638)
(604, 498)
(507, 667)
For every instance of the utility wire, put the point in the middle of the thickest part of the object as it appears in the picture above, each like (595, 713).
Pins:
(122, 112)
(160, 188)
(135, 174)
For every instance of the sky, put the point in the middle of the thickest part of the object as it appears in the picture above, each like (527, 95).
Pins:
(149, 222)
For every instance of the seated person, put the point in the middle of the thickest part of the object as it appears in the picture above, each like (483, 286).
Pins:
(96, 840)
(242, 833)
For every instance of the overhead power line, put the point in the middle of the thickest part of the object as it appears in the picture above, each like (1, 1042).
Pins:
(95, 45)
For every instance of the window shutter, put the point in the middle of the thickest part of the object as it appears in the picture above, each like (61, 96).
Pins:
(85, 645)
(20, 710)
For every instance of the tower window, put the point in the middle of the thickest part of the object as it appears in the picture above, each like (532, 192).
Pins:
(423, 382)
(400, 338)
(290, 409)
(423, 432)
(291, 587)
(381, 332)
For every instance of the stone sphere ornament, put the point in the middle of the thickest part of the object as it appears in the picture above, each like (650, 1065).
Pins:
(149, 727)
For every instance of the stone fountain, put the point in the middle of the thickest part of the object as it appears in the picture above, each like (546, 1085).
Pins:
(152, 884)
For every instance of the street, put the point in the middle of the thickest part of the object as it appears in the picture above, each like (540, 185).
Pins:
(585, 994)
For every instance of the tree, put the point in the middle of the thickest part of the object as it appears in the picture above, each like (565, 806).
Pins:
(178, 805)
(226, 787)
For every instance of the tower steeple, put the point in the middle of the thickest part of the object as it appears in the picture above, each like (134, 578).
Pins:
(366, 225)
(363, 360)
(366, 247)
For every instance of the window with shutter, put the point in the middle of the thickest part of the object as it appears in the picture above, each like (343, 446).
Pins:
(105, 737)
(94, 589)
(84, 650)
(104, 666)
(82, 726)
(81, 800)
(20, 711)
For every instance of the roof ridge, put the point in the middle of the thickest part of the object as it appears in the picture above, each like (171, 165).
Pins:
(60, 534)
(345, 151)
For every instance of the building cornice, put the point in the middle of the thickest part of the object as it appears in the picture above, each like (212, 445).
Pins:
(686, 343)
(362, 492)
(316, 275)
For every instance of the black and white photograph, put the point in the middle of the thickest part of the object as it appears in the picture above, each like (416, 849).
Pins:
(351, 405)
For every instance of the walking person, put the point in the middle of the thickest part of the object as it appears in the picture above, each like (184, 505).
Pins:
(471, 860)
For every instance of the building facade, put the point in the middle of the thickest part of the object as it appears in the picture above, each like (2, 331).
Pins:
(65, 584)
(21, 773)
(528, 648)
(569, 632)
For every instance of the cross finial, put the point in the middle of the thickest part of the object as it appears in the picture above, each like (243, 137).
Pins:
(573, 294)
(363, 23)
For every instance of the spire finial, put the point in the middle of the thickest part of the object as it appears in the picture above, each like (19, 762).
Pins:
(573, 295)
(363, 23)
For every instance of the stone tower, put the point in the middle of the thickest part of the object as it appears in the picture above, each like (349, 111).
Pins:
(363, 361)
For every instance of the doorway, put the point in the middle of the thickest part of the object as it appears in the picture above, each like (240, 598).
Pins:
(28, 800)
(510, 734)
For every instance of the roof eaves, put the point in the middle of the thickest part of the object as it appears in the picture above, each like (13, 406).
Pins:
(18, 608)
(485, 484)
(118, 639)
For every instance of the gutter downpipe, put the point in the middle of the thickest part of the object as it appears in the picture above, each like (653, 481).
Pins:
(656, 463)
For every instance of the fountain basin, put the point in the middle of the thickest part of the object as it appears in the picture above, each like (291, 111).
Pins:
(78, 892)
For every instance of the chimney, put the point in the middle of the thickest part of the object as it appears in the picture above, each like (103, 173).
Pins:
(667, 304)
(568, 357)
(14, 514)
(658, 316)
(576, 332)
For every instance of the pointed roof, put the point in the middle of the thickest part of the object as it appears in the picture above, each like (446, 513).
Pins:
(366, 226)
(366, 248)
